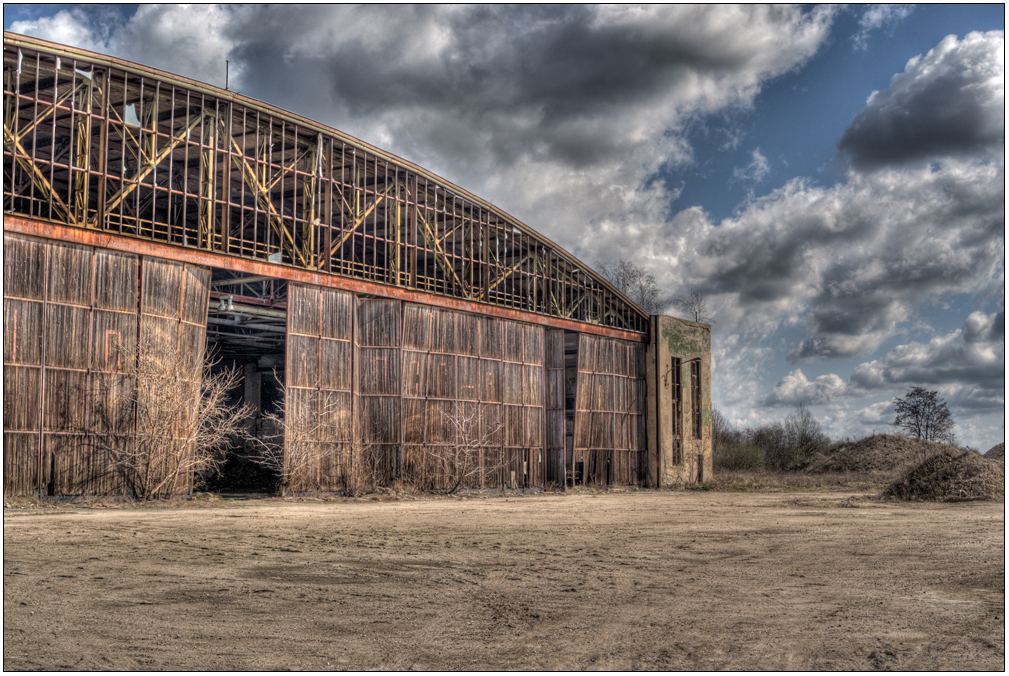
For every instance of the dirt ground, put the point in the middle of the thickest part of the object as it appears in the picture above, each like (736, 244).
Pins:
(616, 581)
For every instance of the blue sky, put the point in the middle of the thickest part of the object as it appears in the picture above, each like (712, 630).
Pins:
(850, 244)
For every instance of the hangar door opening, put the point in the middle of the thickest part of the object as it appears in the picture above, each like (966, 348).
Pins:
(246, 330)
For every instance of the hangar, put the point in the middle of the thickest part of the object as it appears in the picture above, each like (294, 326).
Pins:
(149, 214)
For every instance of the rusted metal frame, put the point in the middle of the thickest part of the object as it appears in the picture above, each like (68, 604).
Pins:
(550, 298)
(225, 182)
(263, 199)
(359, 221)
(224, 94)
(39, 181)
(149, 116)
(504, 275)
(171, 169)
(414, 215)
(430, 237)
(11, 114)
(208, 174)
(38, 118)
(82, 154)
(396, 264)
(128, 187)
(327, 210)
(574, 306)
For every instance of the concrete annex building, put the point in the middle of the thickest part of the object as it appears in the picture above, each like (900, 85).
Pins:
(146, 212)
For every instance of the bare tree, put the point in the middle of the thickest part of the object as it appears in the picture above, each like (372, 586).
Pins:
(803, 433)
(470, 456)
(182, 417)
(922, 414)
(636, 283)
(694, 306)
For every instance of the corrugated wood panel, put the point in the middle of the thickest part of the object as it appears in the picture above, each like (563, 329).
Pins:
(491, 338)
(24, 471)
(22, 333)
(458, 368)
(116, 283)
(70, 274)
(468, 370)
(417, 327)
(319, 411)
(467, 334)
(443, 335)
(378, 339)
(512, 336)
(608, 436)
(83, 388)
(24, 267)
(21, 397)
(379, 369)
(511, 383)
(490, 383)
(378, 323)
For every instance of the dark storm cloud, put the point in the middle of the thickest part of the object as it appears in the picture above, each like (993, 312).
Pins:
(949, 103)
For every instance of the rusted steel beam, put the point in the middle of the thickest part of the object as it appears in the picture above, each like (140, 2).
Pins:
(113, 242)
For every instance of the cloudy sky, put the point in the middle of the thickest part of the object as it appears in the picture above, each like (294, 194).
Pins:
(832, 179)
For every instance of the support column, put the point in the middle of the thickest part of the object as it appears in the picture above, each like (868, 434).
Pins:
(690, 343)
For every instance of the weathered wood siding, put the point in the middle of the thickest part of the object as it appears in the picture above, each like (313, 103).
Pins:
(71, 324)
(379, 424)
(553, 364)
(482, 369)
(319, 374)
(609, 432)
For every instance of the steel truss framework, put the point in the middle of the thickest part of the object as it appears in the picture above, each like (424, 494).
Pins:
(109, 146)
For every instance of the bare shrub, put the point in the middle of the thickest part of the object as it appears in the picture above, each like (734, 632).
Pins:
(737, 455)
(180, 415)
(301, 450)
(472, 455)
(790, 444)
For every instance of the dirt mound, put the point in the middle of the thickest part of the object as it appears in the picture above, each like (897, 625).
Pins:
(949, 478)
(877, 453)
(997, 454)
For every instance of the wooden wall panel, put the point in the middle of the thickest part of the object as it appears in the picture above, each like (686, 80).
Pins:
(463, 371)
(319, 411)
(609, 441)
(72, 319)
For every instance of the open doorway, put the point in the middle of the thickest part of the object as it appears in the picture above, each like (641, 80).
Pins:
(247, 330)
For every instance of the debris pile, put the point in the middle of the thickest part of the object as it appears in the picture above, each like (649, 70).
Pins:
(997, 454)
(877, 453)
(949, 478)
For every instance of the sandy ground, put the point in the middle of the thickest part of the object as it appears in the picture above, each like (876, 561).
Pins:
(637, 580)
